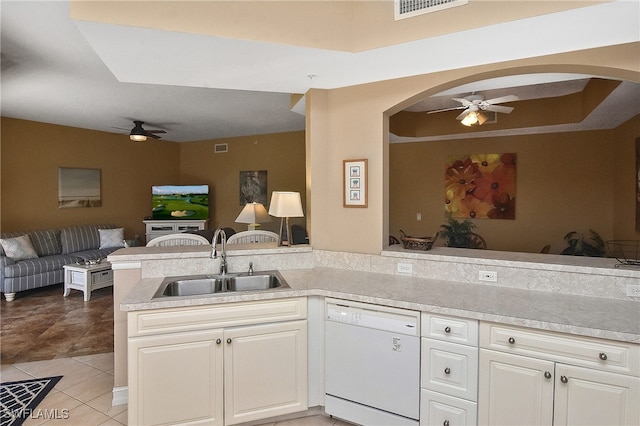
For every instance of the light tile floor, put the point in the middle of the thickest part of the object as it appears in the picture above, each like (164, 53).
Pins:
(83, 396)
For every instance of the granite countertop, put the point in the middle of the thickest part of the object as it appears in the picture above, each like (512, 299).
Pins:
(581, 315)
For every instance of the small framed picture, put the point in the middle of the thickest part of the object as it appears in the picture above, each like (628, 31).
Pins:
(355, 183)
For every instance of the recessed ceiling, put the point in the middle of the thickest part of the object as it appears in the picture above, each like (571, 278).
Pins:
(101, 76)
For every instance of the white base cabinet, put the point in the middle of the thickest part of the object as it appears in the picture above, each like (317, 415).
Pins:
(543, 378)
(183, 371)
(156, 228)
(449, 371)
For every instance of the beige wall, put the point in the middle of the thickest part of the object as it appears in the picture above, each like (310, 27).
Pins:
(32, 152)
(565, 182)
(353, 124)
(282, 155)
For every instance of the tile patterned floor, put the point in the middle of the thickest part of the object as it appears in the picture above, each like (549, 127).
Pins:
(44, 334)
(42, 324)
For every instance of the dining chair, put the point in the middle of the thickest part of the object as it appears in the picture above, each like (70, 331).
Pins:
(178, 240)
(255, 236)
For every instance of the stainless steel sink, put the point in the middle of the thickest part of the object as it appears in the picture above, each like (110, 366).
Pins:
(257, 281)
(219, 284)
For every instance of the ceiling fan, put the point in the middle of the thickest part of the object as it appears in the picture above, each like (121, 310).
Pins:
(139, 134)
(473, 105)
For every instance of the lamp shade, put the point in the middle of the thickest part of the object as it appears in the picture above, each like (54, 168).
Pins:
(285, 204)
(253, 213)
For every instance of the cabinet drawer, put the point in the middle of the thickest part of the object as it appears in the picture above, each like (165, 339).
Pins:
(171, 320)
(160, 228)
(438, 409)
(601, 354)
(102, 277)
(450, 329)
(450, 368)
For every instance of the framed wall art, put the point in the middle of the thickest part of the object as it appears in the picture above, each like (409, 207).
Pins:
(78, 188)
(481, 186)
(355, 183)
(253, 187)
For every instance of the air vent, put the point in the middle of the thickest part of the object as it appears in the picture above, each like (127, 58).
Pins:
(409, 8)
(219, 148)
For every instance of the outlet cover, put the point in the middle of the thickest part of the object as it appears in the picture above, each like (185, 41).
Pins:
(490, 276)
(404, 268)
(633, 290)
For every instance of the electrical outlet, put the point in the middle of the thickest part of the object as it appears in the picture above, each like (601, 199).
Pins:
(419, 216)
(491, 276)
(405, 268)
(633, 290)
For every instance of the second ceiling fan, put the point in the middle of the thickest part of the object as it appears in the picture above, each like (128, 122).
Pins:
(139, 134)
(473, 105)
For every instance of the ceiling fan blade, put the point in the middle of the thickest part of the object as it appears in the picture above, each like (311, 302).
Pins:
(151, 135)
(155, 131)
(498, 108)
(502, 99)
(463, 101)
(445, 109)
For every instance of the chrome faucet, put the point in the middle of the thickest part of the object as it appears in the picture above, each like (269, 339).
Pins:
(223, 253)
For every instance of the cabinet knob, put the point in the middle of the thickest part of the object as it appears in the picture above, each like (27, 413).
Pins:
(603, 356)
(219, 341)
(445, 423)
(229, 340)
(564, 379)
(547, 375)
(447, 370)
(447, 329)
(512, 340)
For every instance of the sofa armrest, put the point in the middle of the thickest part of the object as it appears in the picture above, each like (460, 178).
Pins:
(4, 261)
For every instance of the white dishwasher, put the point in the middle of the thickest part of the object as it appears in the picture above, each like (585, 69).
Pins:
(372, 363)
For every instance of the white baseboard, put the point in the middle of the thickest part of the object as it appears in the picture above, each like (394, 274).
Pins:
(120, 396)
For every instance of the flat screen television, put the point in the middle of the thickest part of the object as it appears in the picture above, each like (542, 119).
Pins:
(180, 202)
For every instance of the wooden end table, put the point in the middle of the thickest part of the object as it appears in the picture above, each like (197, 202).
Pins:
(87, 278)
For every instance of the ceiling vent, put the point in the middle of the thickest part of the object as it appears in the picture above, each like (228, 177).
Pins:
(409, 8)
(219, 148)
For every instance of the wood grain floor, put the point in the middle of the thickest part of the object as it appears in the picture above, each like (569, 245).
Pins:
(41, 324)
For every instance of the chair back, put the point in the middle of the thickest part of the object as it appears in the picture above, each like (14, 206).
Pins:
(256, 236)
(178, 240)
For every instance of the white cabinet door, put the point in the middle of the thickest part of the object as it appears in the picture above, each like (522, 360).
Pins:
(265, 371)
(514, 390)
(182, 379)
(591, 397)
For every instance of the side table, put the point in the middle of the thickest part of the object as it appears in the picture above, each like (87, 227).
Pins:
(87, 278)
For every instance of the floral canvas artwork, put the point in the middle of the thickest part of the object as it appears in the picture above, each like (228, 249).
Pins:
(481, 186)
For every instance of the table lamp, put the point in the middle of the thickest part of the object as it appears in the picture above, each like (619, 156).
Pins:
(253, 214)
(285, 205)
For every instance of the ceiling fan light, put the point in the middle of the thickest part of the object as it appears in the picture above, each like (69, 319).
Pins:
(470, 119)
(137, 138)
(482, 118)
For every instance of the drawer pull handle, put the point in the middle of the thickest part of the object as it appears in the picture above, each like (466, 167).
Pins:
(564, 379)
(547, 375)
(447, 329)
(512, 340)
(219, 341)
(447, 370)
(445, 423)
(229, 340)
(603, 356)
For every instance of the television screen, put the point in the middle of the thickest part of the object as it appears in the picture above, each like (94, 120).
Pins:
(180, 202)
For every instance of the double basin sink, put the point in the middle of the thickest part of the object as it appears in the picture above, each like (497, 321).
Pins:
(219, 284)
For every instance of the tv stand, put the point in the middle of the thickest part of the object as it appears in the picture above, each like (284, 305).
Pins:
(156, 228)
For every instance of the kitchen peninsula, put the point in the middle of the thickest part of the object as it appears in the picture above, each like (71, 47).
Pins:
(578, 297)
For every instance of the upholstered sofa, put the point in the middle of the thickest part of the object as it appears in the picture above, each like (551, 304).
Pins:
(35, 259)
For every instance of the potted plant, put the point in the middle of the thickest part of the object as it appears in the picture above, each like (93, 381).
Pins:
(457, 233)
(584, 245)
